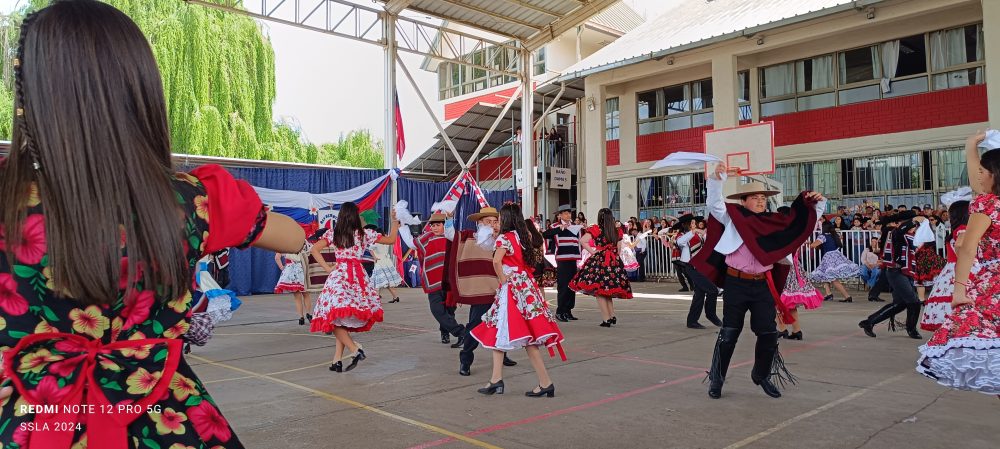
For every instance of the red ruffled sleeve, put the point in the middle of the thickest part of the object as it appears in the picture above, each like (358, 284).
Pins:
(594, 231)
(235, 213)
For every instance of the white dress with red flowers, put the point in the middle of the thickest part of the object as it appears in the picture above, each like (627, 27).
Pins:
(965, 352)
(938, 305)
(519, 315)
(348, 298)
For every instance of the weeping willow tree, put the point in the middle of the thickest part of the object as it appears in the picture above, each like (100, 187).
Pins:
(219, 81)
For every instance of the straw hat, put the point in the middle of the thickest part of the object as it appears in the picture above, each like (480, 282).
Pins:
(752, 188)
(483, 213)
(437, 218)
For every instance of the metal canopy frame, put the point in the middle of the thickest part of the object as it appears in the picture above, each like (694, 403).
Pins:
(394, 33)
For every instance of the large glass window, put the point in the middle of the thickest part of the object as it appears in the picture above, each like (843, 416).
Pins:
(884, 70)
(888, 172)
(951, 170)
(539, 62)
(859, 65)
(743, 95)
(674, 108)
(666, 195)
(614, 203)
(612, 119)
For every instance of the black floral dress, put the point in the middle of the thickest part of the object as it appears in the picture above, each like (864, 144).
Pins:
(114, 374)
(603, 274)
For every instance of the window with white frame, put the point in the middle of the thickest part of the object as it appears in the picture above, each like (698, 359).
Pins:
(612, 119)
(883, 70)
(539, 62)
(669, 194)
(674, 108)
(459, 79)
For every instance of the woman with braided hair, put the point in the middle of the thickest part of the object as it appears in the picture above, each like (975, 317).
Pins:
(99, 239)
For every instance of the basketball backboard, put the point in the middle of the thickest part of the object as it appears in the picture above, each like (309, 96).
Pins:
(749, 147)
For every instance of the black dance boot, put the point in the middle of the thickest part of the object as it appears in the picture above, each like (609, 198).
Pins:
(912, 318)
(879, 316)
(768, 363)
(724, 348)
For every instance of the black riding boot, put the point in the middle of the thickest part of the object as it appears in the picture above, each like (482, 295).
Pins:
(766, 363)
(912, 318)
(881, 315)
(724, 348)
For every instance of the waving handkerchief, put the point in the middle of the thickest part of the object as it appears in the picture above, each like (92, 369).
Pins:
(684, 158)
(992, 140)
(403, 214)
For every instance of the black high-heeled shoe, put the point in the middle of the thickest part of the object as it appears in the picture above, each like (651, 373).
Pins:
(605, 324)
(795, 336)
(492, 388)
(357, 358)
(309, 317)
(847, 299)
(337, 367)
(394, 300)
(783, 334)
(549, 391)
(302, 321)
(613, 320)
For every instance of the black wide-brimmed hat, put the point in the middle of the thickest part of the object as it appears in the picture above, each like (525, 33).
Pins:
(898, 217)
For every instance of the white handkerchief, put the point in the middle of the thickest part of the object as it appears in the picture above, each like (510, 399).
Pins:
(403, 214)
(684, 158)
(447, 206)
(992, 140)
(924, 234)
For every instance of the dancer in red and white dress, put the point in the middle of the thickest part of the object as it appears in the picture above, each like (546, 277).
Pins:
(519, 317)
(348, 302)
(293, 280)
(938, 305)
(964, 353)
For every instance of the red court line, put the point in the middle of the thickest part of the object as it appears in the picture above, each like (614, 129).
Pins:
(642, 360)
(617, 397)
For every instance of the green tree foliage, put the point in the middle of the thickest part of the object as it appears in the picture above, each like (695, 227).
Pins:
(219, 81)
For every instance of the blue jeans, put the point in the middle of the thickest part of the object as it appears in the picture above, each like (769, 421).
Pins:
(869, 275)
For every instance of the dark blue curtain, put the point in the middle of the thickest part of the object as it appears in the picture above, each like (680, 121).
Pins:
(254, 271)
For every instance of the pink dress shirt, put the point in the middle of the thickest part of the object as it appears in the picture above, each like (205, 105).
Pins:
(742, 259)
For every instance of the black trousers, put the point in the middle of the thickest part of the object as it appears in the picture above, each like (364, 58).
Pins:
(444, 315)
(476, 311)
(565, 271)
(881, 285)
(641, 257)
(742, 296)
(706, 295)
(903, 290)
(682, 276)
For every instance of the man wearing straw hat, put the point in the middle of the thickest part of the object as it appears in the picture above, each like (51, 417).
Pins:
(567, 239)
(472, 280)
(432, 250)
(746, 244)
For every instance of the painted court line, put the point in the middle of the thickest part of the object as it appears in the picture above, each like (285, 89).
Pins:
(813, 412)
(618, 397)
(429, 427)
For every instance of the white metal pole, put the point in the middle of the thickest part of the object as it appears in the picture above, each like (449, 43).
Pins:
(527, 144)
(391, 162)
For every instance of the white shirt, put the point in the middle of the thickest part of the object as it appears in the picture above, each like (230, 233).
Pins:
(684, 243)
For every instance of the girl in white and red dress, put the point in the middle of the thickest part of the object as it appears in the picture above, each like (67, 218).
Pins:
(964, 353)
(348, 302)
(938, 305)
(519, 317)
(603, 275)
(293, 280)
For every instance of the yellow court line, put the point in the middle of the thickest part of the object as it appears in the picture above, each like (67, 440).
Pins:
(352, 403)
(268, 374)
(813, 412)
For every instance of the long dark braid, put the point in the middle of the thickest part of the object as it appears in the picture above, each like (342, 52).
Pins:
(16, 173)
(27, 142)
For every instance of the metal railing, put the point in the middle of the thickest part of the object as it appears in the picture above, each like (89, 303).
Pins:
(658, 264)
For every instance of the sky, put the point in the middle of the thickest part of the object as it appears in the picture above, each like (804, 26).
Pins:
(328, 86)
